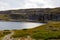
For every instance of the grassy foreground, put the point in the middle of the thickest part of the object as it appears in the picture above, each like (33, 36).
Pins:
(3, 33)
(50, 30)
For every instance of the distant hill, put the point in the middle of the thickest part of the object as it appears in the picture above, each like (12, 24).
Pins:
(31, 15)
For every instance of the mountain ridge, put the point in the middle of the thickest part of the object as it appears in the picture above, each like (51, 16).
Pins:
(32, 9)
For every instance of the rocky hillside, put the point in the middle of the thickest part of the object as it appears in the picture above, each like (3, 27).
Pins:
(31, 15)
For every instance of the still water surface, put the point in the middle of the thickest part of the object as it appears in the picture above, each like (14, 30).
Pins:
(17, 25)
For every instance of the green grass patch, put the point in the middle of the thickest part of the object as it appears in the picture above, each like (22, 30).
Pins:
(48, 31)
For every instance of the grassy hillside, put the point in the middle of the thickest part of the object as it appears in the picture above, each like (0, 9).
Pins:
(50, 30)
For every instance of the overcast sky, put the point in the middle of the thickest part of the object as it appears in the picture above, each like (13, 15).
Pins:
(22, 4)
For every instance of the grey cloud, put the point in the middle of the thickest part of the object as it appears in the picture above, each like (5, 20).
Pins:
(9, 4)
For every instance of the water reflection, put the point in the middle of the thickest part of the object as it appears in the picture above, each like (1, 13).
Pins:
(18, 25)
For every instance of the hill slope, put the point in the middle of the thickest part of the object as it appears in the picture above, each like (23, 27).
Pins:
(31, 15)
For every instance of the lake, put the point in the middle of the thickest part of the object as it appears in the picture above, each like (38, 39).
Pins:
(17, 25)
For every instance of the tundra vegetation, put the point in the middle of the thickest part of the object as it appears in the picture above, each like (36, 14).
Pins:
(50, 30)
(3, 33)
